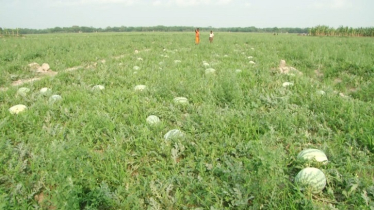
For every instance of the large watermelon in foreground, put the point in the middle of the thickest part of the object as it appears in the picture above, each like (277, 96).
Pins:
(311, 179)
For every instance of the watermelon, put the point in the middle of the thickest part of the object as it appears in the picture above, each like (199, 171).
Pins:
(312, 154)
(286, 84)
(175, 133)
(45, 91)
(140, 88)
(17, 109)
(180, 100)
(55, 98)
(23, 91)
(311, 179)
(98, 87)
(321, 92)
(210, 71)
(153, 119)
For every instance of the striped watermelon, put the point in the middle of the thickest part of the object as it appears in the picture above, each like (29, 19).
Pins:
(54, 98)
(180, 100)
(153, 119)
(17, 109)
(23, 91)
(311, 179)
(312, 154)
(175, 133)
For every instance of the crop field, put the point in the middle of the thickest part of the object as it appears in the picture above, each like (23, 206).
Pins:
(86, 143)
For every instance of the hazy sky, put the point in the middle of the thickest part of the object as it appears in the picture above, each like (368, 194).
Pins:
(40, 14)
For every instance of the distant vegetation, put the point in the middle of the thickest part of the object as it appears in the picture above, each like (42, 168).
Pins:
(84, 29)
(320, 30)
(341, 31)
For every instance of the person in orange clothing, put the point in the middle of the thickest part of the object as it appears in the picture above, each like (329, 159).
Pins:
(197, 36)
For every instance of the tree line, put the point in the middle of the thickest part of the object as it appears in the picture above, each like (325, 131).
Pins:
(322, 30)
(160, 28)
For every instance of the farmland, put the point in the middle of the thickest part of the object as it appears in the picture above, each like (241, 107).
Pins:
(242, 127)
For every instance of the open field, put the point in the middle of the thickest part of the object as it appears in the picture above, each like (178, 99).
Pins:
(242, 127)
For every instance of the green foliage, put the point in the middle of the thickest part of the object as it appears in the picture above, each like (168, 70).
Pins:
(243, 130)
(341, 31)
(160, 28)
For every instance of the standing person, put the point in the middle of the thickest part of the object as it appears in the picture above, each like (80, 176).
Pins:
(197, 36)
(211, 35)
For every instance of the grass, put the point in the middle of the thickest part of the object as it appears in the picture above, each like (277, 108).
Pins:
(243, 131)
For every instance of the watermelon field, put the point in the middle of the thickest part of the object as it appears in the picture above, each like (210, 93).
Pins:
(152, 121)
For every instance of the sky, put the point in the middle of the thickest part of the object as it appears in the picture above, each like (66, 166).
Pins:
(42, 14)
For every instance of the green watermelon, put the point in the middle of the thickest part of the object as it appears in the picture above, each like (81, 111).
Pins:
(175, 133)
(23, 91)
(54, 98)
(313, 154)
(17, 109)
(153, 119)
(180, 100)
(45, 91)
(311, 179)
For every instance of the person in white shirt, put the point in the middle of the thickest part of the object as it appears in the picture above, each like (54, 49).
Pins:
(211, 35)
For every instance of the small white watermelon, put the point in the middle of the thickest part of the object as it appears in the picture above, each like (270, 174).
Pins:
(98, 87)
(23, 91)
(54, 98)
(210, 71)
(17, 109)
(175, 133)
(321, 92)
(45, 91)
(153, 119)
(311, 179)
(180, 100)
(286, 84)
(312, 154)
(140, 88)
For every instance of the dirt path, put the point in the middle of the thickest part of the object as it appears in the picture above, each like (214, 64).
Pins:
(53, 73)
